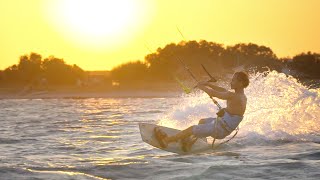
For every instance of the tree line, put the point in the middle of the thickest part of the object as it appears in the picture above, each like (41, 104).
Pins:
(168, 62)
(33, 68)
(165, 63)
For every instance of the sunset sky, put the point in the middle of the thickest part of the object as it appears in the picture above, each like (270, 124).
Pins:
(100, 34)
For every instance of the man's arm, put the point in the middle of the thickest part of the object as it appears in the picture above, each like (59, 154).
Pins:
(217, 88)
(214, 93)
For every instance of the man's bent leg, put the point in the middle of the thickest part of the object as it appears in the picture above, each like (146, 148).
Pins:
(206, 120)
(202, 121)
(180, 135)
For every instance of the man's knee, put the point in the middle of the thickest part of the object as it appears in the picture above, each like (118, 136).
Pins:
(202, 121)
(189, 129)
(185, 133)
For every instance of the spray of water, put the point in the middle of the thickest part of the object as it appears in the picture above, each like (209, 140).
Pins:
(279, 108)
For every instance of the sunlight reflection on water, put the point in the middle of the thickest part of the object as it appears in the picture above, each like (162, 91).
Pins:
(99, 138)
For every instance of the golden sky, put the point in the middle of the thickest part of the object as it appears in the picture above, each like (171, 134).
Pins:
(100, 34)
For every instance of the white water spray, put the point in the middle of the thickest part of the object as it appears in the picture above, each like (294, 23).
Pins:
(278, 108)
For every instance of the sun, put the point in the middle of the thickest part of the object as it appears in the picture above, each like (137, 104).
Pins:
(98, 23)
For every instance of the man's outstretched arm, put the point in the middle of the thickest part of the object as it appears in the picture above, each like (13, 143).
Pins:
(214, 93)
(217, 88)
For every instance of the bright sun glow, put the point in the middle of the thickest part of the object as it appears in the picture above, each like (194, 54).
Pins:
(99, 23)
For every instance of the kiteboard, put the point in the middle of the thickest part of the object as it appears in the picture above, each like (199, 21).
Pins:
(148, 136)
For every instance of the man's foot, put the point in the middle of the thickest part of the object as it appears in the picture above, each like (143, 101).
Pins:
(160, 136)
(186, 144)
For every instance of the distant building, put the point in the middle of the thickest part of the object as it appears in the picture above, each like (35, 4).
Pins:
(96, 78)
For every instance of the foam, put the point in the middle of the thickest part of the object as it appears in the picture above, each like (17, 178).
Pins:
(279, 108)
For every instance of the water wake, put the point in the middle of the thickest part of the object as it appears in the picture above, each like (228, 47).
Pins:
(279, 108)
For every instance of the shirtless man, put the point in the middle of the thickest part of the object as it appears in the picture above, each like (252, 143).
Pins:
(231, 116)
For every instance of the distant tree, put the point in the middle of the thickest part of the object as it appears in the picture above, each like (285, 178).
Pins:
(196, 53)
(1, 76)
(167, 61)
(307, 63)
(29, 67)
(57, 72)
(161, 63)
(130, 73)
(77, 72)
(11, 75)
(251, 55)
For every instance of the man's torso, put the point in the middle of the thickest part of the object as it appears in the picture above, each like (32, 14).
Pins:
(237, 104)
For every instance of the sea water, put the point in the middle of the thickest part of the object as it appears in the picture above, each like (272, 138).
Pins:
(94, 138)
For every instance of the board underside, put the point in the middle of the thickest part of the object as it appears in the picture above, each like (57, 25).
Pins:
(147, 135)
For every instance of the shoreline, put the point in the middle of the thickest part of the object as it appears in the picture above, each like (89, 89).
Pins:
(85, 95)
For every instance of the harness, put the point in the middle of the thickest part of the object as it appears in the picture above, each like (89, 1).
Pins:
(225, 126)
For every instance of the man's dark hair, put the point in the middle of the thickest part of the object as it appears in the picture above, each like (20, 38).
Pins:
(243, 77)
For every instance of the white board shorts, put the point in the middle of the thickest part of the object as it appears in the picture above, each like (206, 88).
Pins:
(217, 129)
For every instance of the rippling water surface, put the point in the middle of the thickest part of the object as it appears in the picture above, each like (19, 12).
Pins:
(99, 138)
